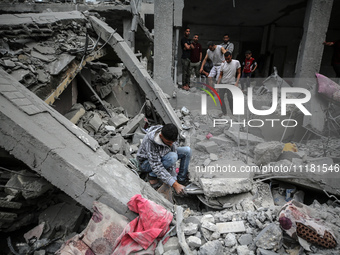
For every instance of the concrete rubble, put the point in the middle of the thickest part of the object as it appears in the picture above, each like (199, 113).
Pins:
(86, 149)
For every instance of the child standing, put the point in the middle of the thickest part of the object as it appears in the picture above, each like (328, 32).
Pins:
(249, 66)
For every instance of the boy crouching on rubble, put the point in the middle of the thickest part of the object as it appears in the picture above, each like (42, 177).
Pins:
(158, 154)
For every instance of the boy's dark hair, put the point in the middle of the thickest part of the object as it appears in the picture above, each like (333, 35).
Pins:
(226, 35)
(227, 54)
(170, 132)
(248, 52)
(210, 43)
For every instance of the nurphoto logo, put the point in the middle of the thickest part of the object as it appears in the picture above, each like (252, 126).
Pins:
(239, 100)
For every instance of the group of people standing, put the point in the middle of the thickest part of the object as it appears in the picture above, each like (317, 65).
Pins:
(217, 64)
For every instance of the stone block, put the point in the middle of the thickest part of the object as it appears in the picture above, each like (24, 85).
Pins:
(137, 137)
(208, 225)
(116, 145)
(219, 187)
(194, 241)
(207, 146)
(190, 228)
(172, 252)
(208, 218)
(94, 122)
(267, 152)
(230, 240)
(230, 227)
(266, 252)
(245, 239)
(211, 247)
(243, 250)
(270, 238)
(193, 219)
(172, 244)
(213, 156)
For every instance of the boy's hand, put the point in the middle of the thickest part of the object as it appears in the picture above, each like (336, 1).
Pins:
(178, 187)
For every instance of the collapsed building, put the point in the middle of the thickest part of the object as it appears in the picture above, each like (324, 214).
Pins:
(76, 99)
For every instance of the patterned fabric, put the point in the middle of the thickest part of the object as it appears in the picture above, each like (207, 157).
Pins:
(295, 219)
(100, 235)
(153, 151)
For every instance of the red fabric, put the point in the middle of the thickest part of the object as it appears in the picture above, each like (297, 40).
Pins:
(248, 63)
(144, 232)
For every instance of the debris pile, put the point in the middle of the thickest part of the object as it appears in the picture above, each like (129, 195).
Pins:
(28, 201)
(38, 57)
(248, 232)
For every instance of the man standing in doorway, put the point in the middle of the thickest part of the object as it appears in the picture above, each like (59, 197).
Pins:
(215, 54)
(186, 49)
(229, 69)
(227, 45)
(195, 56)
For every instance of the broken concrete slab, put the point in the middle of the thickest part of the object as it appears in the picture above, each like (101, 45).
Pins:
(149, 86)
(207, 146)
(269, 238)
(267, 152)
(24, 76)
(116, 145)
(45, 58)
(58, 65)
(43, 77)
(224, 186)
(44, 49)
(133, 124)
(137, 138)
(61, 217)
(36, 24)
(243, 138)
(46, 142)
(27, 184)
(118, 120)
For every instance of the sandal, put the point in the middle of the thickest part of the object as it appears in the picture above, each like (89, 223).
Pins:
(186, 87)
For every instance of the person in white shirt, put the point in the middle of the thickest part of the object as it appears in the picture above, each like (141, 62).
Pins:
(215, 54)
(230, 69)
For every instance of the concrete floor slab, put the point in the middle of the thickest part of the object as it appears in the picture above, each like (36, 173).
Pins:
(43, 139)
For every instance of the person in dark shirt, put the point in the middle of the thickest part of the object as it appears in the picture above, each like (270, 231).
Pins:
(336, 56)
(186, 49)
(196, 55)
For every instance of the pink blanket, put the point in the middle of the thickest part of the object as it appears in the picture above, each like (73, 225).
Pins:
(328, 88)
(142, 234)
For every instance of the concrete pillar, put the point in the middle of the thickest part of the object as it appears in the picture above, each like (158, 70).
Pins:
(267, 48)
(317, 17)
(163, 44)
(129, 36)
